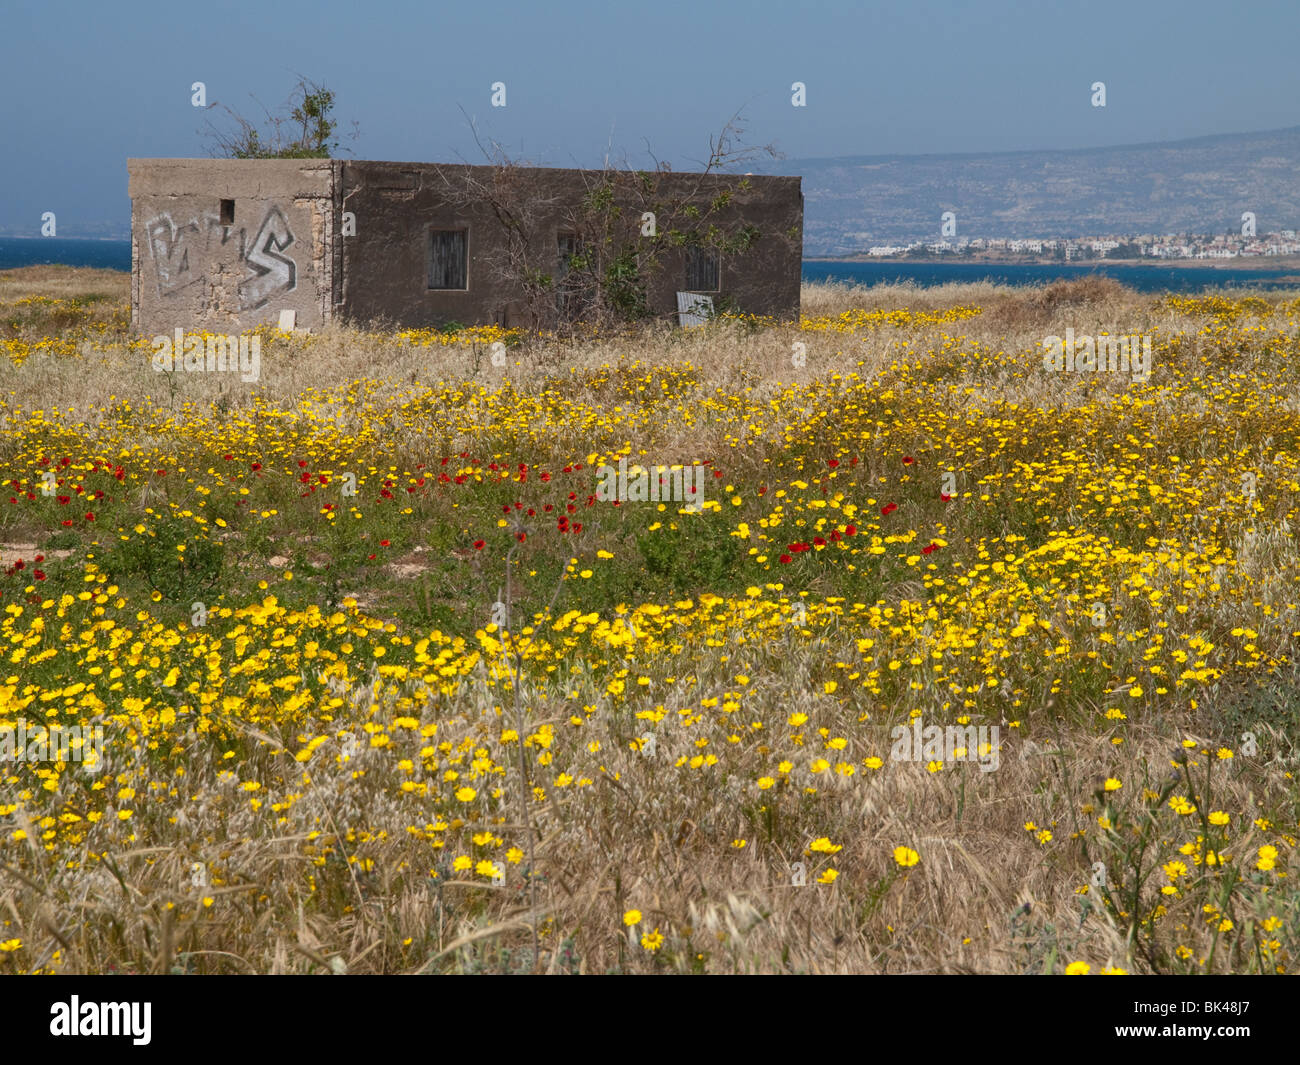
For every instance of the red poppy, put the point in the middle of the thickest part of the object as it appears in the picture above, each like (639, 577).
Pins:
(888, 509)
(256, 466)
(478, 545)
(907, 460)
(383, 543)
(850, 530)
(928, 550)
(786, 559)
(945, 497)
(833, 463)
(521, 537)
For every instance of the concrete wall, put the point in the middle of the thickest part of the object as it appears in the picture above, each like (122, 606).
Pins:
(385, 265)
(190, 271)
(288, 246)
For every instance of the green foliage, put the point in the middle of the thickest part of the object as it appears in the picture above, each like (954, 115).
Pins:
(174, 558)
(599, 198)
(624, 286)
(310, 106)
(698, 556)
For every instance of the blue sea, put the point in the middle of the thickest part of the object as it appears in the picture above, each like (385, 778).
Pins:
(116, 255)
(69, 251)
(1142, 277)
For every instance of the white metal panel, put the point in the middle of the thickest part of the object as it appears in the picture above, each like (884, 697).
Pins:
(693, 309)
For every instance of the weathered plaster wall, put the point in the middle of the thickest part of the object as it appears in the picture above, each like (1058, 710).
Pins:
(192, 272)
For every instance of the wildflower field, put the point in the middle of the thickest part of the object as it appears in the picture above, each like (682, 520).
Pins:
(385, 687)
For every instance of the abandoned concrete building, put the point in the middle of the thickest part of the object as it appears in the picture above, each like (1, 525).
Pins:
(227, 244)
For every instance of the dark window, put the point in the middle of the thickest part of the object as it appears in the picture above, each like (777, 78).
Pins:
(569, 296)
(568, 245)
(701, 269)
(448, 259)
(227, 212)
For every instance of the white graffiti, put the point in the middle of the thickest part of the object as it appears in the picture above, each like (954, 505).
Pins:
(270, 271)
(184, 254)
(181, 253)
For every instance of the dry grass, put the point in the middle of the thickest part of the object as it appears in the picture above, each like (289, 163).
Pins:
(339, 879)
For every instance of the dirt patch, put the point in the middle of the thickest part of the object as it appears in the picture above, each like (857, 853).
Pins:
(406, 570)
(11, 553)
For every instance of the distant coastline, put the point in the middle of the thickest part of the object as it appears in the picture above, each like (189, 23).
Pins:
(1144, 275)
(1249, 262)
(30, 236)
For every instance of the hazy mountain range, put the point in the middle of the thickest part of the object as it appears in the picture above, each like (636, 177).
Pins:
(1202, 185)
(1199, 186)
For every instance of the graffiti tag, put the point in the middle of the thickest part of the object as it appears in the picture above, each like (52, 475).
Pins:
(271, 271)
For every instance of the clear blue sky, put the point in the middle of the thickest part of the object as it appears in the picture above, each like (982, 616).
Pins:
(85, 85)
